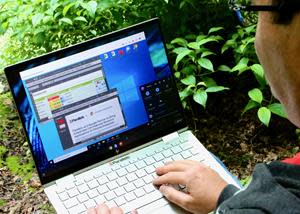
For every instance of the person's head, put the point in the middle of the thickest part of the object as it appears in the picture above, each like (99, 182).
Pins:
(278, 48)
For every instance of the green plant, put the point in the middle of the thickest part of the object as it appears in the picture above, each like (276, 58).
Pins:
(242, 45)
(17, 167)
(193, 66)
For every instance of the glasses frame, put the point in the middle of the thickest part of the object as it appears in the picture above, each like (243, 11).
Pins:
(238, 7)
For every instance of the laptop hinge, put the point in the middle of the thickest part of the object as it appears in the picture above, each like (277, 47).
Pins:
(64, 180)
(170, 137)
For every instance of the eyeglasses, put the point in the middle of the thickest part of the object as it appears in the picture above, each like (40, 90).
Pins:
(251, 6)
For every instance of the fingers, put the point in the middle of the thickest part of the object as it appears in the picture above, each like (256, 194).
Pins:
(102, 209)
(133, 212)
(170, 178)
(92, 211)
(115, 210)
(175, 196)
(176, 166)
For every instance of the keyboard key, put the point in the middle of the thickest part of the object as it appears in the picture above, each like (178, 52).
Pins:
(158, 164)
(120, 201)
(99, 199)
(139, 192)
(139, 183)
(131, 177)
(141, 173)
(120, 191)
(102, 180)
(124, 163)
(93, 184)
(110, 195)
(158, 157)
(82, 197)
(175, 142)
(60, 189)
(112, 176)
(90, 203)
(149, 161)
(150, 169)
(98, 174)
(70, 185)
(116, 167)
(176, 149)
(133, 160)
(177, 157)
(83, 188)
(167, 160)
(121, 172)
(186, 146)
(159, 150)
(142, 201)
(79, 182)
(130, 196)
(149, 188)
(148, 179)
(106, 170)
(88, 178)
(129, 187)
(150, 153)
(131, 168)
(142, 156)
(167, 146)
(122, 181)
(77, 209)
(63, 196)
(102, 189)
(140, 164)
(73, 192)
(70, 203)
(186, 154)
(167, 153)
(112, 185)
(92, 193)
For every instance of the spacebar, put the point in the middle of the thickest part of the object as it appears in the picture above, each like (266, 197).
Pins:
(142, 201)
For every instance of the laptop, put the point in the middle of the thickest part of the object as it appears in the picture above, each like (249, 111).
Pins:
(100, 116)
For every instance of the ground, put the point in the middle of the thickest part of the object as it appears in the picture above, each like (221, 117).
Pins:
(239, 141)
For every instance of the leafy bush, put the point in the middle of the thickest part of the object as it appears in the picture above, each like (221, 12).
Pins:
(241, 44)
(197, 60)
(193, 66)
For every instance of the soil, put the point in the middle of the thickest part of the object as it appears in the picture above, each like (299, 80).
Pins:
(239, 141)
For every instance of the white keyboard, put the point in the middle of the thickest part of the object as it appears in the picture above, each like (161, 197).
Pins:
(128, 183)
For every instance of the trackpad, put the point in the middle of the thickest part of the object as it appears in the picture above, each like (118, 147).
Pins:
(170, 208)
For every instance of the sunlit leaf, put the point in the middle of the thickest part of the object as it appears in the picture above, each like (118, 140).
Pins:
(206, 63)
(189, 80)
(256, 95)
(216, 89)
(264, 115)
(278, 109)
(200, 96)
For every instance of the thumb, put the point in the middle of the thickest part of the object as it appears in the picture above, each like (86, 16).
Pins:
(133, 212)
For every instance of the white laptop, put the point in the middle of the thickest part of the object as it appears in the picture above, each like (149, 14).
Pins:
(100, 116)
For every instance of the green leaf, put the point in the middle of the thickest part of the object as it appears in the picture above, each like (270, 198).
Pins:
(264, 115)
(251, 104)
(189, 80)
(206, 63)
(215, 29)
(193, 45)
(66, 20)
(242, 65)
(190, 69)
(36, 19)
(209, 82)
(179, 50)
(180, 41)
(207, 40)
(224, 68)
(256, 95)
(66, 8)
(207, 53)
(277, 108)
(91, 7)
(185, 93)
(182, 55)
(177, 74)
(259, 74)
(80, 18)
(200, 37)
(200, 96)
(216, 89)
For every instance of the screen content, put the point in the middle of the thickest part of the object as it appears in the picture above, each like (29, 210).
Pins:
(98, 101)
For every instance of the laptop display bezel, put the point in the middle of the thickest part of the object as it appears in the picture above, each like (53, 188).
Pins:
(13, 75)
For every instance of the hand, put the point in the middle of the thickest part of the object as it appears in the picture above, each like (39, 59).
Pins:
(103, 209)
(204, 185)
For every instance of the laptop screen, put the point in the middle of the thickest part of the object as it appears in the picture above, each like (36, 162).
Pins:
(91, 101)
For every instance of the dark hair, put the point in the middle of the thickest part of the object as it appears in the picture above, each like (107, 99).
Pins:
(287, 10)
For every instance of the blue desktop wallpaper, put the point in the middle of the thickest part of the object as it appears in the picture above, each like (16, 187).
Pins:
(147, 64)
